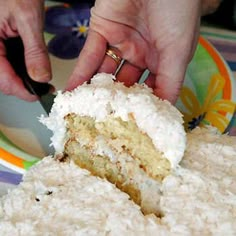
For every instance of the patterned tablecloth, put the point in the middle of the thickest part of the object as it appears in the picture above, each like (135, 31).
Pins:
(224, 41)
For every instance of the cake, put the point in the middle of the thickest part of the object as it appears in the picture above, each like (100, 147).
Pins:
(197, 198)
(125, 135)
(59, 198)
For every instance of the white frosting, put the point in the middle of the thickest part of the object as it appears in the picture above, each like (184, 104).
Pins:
(62, 199)
(161, 121)
(197, 198)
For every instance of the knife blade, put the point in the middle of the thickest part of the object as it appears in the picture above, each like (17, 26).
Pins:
(15, 55)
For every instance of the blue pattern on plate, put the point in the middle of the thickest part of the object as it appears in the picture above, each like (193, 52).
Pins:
(69, 25)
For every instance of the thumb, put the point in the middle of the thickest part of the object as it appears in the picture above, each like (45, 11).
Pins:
(37, 60)
(30, 27)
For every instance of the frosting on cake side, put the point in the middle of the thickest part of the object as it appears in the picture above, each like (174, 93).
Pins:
(161, 121)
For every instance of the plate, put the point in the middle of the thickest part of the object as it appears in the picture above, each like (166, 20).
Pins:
(209, 92)
(208, 95)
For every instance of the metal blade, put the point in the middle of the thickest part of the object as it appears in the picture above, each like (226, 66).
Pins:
(47, 101)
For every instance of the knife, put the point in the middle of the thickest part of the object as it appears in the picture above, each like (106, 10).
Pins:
(15, 55)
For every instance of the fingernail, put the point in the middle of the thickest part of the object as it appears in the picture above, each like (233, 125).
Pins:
(40, 74)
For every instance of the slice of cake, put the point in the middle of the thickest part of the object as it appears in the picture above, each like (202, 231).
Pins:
(60, 198)
(126, 135)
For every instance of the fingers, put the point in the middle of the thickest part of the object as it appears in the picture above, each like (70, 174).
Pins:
(129, 74)
(166, 84)
(151, 81)
(170, 74)
(111, 62)
(123, 70)
(30, 29)
(89, 60)
(93, 59)
(10, 83)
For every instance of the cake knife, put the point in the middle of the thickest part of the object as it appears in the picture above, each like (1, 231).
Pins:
(15, 55)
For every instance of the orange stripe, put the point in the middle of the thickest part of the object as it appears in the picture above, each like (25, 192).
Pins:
(66, 5)
(221, 66)
(4, 155)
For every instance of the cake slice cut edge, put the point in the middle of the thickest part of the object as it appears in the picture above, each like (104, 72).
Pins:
(126, 135)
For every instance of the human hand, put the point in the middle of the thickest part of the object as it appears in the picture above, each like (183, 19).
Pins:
(158, 35)
(23, 18)
(210, 6)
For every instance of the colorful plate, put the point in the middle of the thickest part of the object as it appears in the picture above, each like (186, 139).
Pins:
(208, 97)
(209, 92)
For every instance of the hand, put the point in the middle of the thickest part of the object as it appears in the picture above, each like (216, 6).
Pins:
(153, 34)
(23, 18)
(210, 6)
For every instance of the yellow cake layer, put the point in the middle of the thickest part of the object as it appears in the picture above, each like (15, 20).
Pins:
(122, 136)
(128, 159)
(102, 167)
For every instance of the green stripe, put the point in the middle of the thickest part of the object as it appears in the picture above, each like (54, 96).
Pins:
(28, 164)
(218, 35)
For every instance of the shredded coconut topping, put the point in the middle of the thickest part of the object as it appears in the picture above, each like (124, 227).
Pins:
(198, 198)
(161, 121)
(62, 199)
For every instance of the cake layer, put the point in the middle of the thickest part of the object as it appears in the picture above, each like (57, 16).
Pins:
(126, 135)
(120, 154)
(197, 198)
(113, 138)
(157, 119)
(61, 199)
